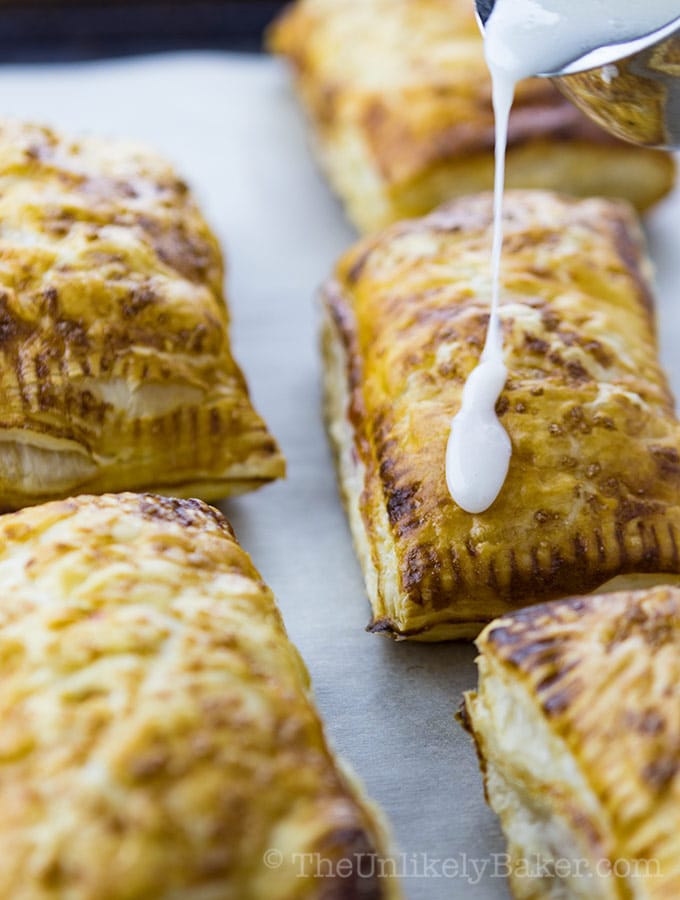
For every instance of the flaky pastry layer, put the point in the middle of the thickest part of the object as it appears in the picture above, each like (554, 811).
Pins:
(577, 725)
(399, 97)
(115, 363)
(594, 480)
(157, 732)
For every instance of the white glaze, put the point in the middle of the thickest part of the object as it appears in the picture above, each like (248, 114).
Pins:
(523, 38)
(528, 37)
(478, 452)
(479, 449)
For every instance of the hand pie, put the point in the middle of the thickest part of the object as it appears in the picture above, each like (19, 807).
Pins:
(593, 490)
(115, 365)
(399, 98)
(577, 725)
(158, 737)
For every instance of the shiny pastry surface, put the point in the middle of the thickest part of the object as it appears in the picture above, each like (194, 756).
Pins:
(115, 363)
(157, 731)
(577, 725)
(594, 480)
(399, 98)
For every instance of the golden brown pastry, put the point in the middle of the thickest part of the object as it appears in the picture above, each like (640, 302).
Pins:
(157, 733)
(577, 725)
(593, 490)
(115, 365)
(399, 98)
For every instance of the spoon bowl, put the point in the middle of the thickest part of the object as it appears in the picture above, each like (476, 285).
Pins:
(631, 88)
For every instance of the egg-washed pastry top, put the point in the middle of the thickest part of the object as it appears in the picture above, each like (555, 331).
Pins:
(115, 363)
(577, 724)
(399, 97)
(157, 732)
(593, 488)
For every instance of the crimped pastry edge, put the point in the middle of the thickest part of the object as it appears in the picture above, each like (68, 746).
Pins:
(351, 473)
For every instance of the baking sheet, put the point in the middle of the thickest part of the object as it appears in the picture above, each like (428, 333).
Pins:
(231, 126)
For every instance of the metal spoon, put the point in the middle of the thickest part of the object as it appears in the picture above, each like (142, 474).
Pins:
(631, 88)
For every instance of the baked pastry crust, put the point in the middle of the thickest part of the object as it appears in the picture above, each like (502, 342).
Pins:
(399, 97)
(577, 725)
(594, 480)
(115, 368)
(158, 734)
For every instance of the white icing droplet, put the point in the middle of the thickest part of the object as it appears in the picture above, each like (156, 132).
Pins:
(478, 451)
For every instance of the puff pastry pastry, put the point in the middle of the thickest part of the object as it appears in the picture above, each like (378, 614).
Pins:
(157, 731)
(577, 724)
(400, 101)
(115, 364)
(593, 490)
